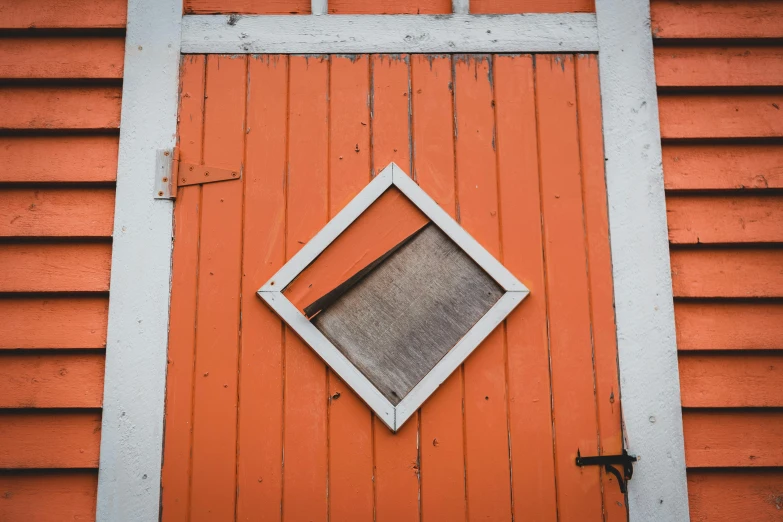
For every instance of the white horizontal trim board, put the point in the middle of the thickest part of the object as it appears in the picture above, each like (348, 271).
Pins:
(522, 33)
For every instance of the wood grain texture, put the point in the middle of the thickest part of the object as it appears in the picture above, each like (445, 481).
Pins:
(725, 438)
(390, 7)
(55, 267)
(213, 482)
(731, 380)
(725, 219)
(531, 6)
(98, 58)
(247, 6)
(56, 212)
(529, 404)
(726, 325)
(573, 385)
(305, 480)
(723, 272)
(350, 420)
(396, 455)
(49, 496)
(389, 221)
(486, 420)
(49, 108)
(405, 315)
(54, 159)
(51, 381)
(724, 166)
(441, 416)
(48, 439)
(53, 322)
(716, 19)
(721, 116)
(718, 66)
(260, 430)
(177, 447)
(63, 14)
(735, 495)
(599, 258)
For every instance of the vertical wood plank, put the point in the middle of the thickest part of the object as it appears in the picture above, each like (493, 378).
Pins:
(486, 421)
(175, 481)
(579, 489)
(530, 413)
(599, 257)
(305, 428)
(396, 454)
(350, 420)
(217, 317)
(260, 426)
(442, 442)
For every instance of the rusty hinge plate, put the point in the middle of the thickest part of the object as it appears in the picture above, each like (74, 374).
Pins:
(170, 173)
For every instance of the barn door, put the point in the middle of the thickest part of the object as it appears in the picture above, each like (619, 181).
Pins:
(258, 427)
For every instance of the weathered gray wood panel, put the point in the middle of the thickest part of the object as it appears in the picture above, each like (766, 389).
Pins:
(404, 316)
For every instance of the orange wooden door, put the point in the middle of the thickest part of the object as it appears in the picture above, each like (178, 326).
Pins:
(257, 427)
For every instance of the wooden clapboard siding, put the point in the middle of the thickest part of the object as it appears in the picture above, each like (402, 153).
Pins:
(411, 7)
(718, 67)
(62, 57)
(48, 496)
(56, 212)
(61, 66)
(257, 425)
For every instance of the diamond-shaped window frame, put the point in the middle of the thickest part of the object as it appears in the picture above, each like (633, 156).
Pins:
(393, 416)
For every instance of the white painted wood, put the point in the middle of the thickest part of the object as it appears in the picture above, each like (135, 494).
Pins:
(389, 33)
(134, 389)
(647, 350)
(319, 7)
(271, 292)
(460, 6)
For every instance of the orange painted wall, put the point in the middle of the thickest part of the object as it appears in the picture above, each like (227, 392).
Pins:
(257, 426)
(719, 68)
(60, 87)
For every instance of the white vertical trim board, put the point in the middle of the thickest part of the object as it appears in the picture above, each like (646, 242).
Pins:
(647, 350)
(516, 33)
(460, 6)
(319, 7)
(134, 389)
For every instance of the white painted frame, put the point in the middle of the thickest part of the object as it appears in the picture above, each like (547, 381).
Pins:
(644, 303)
(392, 416)
(135, 375)
(529, 33)
(131, 441)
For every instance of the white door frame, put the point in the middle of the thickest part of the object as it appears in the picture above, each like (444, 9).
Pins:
(157, 32)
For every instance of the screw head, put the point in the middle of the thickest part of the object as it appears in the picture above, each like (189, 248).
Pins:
(183, 180)
(191, 168)
(166, 153)
(234, 174)
(165, 180)
(206, 173)
(160, 193)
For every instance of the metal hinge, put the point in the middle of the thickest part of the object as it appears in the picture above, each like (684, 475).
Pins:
(608, 461)
(171, 173)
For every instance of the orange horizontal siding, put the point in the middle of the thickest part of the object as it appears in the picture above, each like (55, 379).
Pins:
(729, 325)
(724, 166)
(531, 6)
(721, 115)
(247, 6)
(56, 212)
(726, 272)
(725, 218)
(731, 380)
(49, 439)
(62, 57)
(716, 19)
(390, 7)
(730, 495)
(63, 14)
(48, 496)
(718, 66)
(730, 438)
(63, 380)
(59, 267)
(59, 108)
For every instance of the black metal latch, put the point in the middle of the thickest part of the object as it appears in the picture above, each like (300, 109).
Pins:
(607, 461)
